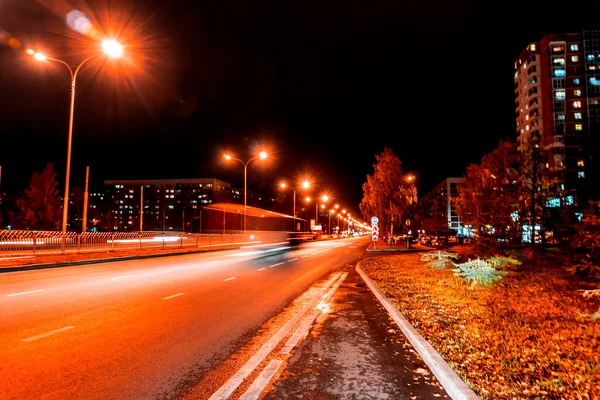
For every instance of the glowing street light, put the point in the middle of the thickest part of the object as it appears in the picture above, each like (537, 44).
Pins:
(305, 185)
(111, 49)
(262, 155)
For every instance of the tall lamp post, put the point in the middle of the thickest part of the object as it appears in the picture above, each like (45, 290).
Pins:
(305, 185)
(261, 155)
(112, 49)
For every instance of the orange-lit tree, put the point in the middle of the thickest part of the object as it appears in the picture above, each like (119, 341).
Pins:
(488, 199)
(386, 194)
(40, 207)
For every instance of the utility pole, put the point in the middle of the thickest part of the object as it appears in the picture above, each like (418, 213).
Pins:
(141, 208)
(85, 200)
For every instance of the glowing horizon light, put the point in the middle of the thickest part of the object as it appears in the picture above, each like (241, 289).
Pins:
(112, 48)
(39, 56)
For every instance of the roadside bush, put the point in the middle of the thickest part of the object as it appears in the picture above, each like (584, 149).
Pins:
(439, 259)
(479, 272)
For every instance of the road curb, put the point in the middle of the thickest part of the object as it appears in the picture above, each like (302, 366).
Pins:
(456, 388)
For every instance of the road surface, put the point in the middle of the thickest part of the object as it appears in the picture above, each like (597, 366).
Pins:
(150, 329)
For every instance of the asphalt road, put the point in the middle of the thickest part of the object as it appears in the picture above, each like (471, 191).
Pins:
(149, 329)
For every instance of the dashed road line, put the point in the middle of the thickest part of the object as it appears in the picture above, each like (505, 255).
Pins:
(261, 269)
(230, 279)
(22, 293)
(43, 335)
(121, 277)
(174, 295)
(292, 260)
(274, 265)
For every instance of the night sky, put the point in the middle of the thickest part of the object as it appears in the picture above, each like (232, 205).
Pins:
(324, 85)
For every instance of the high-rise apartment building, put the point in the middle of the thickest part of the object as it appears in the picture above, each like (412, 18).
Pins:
(557, 105)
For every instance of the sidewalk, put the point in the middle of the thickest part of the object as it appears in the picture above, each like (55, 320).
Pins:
(363, 348)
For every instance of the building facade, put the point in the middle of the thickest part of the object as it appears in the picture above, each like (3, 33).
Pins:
(168, 204)
(435, 210)
(557, 107)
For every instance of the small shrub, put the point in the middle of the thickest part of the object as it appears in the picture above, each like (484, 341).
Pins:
(478, 271)
(503, 262)
(439, 259)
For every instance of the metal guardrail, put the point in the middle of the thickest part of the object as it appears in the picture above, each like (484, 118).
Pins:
(16, 242)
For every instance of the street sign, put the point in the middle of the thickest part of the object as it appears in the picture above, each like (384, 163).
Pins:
(407, 222)
(375, 227)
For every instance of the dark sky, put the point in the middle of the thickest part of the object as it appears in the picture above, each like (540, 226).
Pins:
(326, 85)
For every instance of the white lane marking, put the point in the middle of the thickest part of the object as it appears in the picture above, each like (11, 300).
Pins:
(274, 265)
(232, 383)
(22, 293)
(178, 267)
(174, 295)
(293, 260)
(261, 269)
(43, 335)
(230, 279)
(308, 255)
(254, 391)
(303, 328)
(121, 277)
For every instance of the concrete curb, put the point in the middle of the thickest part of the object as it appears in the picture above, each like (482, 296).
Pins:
(31, 267)
(456, 388)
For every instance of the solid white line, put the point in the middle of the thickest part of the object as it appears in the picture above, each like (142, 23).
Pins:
(274, 265)
(175, 295)
(121, 277)
(230, 279)
(14, 258)
(232, 384)
(454, 385)
(178, 267)
(293, 260)
(31, 339)
(21, 293)
(254, 391)
(303, 328)
(261, 269)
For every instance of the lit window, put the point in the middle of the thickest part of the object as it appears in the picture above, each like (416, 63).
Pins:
(580, 174)
(574, 59)
(558, 49)
(577, 104)
(560, 117)
(580, 163)
(577, 115)
(574, 47)
(558, 60)
(594, 81)
(578, 127)
(576, 81)
(559, 95)
(527, 127)
(590, 57)
(527, 118)
(560, 72)
(577, 92)
(532, 47)
(171, 207)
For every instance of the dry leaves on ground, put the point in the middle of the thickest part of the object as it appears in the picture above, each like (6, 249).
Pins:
(523, 338)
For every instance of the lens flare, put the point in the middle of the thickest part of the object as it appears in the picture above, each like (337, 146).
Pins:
(112, 48)
(39, 56)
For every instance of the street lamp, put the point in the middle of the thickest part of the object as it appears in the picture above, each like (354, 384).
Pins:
(330, 212)
(261, 155)
(112, 49)
(305, 185)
